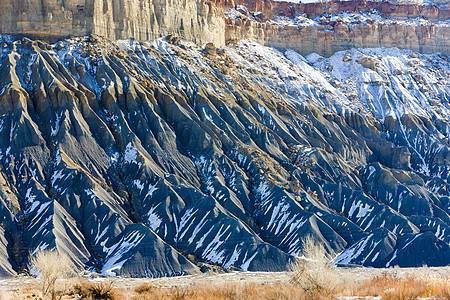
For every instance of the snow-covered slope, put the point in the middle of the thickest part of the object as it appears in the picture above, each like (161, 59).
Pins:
(152, 159)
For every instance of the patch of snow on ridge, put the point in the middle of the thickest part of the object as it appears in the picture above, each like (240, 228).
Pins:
(151, 190)
(234, 257)
(212, 252)
(130, 155)
(363, 209)
(154, 221)
(247, 262)
(355, 251)
(117, 253)
(198, 227)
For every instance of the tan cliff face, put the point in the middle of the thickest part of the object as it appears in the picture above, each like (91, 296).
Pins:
(271, 9)
(204, 21)
(198, 21)
(45, 19)
(329, 39)
(195, 20)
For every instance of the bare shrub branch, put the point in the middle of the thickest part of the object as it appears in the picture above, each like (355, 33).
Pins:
(314, 271)
(49, 266)
(97, 290)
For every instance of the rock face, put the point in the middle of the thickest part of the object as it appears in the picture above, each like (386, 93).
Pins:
(328, 34)
(194, 20)
(203, 21)
(149, 159)
(390, 9)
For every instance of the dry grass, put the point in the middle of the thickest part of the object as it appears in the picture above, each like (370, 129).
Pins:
(388, 288)
(409, 287)
(237, 291)
(394, 286)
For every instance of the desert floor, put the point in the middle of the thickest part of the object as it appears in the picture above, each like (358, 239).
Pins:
(28, 287)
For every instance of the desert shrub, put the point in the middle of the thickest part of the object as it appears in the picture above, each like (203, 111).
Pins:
(314, 271)
(96, 290)
(49, 266)
(182, 294)
(144, 288)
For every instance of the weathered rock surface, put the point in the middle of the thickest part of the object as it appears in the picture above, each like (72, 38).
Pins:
(390, 9)
(149, 159)
(195, 20)
(205, 21)
(330, 33)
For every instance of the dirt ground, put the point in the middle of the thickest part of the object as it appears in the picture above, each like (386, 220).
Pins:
(9, 288)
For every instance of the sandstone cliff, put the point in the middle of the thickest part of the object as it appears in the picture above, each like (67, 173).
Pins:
(332, 36)
(194, 20)
(271, 9)
(203, 21)
(45, 18)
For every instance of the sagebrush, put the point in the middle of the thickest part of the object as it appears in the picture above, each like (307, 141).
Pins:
(49, 266)
(314, 271)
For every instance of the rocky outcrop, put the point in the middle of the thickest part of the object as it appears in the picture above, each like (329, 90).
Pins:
(195, 20)
(389, 9)
(198, 21)
(202, 21)
(337, 36)
(46, 19)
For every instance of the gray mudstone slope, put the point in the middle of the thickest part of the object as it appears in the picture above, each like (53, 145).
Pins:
(149, 159)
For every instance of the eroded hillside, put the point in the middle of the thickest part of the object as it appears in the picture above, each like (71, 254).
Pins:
(149, 159)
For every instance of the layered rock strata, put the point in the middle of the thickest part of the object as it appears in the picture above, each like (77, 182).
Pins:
(202, 21)
(195, 20)
(271, 9)
(333, 36)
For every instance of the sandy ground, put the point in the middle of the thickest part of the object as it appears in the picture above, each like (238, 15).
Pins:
(346, 274)
(8, 287)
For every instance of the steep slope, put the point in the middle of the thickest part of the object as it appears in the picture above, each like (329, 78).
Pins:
(132, 157)
(305, 27)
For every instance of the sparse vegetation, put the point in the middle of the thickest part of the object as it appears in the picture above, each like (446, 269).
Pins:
(144, 288)
(49, 266)
(314, 271)
(387, 284)
(386, 287)
(211, 292)
(409, 287)
(97, 290)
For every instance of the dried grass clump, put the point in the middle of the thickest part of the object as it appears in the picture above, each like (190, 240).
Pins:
(97, 290)
(144, 288)
(49, 266)
(314, 271)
